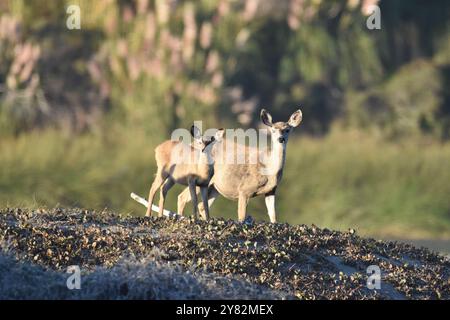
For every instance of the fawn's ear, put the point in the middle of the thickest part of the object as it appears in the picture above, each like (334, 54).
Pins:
(295, 118)
(219, 134)
(266, 118)
(195, 132)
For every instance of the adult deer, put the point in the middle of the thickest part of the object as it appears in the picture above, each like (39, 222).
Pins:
(189, 165)
(242, 181)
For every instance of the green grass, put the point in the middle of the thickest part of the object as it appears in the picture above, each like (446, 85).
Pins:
(355, 180)
(345, 180)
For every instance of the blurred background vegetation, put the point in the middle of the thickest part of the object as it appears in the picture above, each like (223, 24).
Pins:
(82, 110)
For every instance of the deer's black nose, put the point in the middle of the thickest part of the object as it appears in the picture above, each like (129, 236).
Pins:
(281, 140)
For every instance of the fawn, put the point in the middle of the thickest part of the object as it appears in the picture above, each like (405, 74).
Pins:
(189, 165)
(242, 181)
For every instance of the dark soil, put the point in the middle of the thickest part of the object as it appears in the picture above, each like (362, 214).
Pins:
(302, 261)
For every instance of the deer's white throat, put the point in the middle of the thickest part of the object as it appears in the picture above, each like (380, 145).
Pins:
(275, 158)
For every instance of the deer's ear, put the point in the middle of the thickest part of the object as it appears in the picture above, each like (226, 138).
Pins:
(295, 118)
(219, 134)
(195, 132)
(266, 118)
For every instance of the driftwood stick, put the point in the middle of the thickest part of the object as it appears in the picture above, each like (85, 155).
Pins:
(144, 202)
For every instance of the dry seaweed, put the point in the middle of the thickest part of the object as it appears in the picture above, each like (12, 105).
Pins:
(304, 261)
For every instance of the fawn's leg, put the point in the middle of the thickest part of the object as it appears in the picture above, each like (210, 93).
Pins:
(242, 207)
(205, 211)
(212, 195)
(194, 197)
(165, 188)
(159, 179)
(183, 198)
(270, 205)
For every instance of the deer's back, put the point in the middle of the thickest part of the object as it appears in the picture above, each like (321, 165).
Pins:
(182, 162)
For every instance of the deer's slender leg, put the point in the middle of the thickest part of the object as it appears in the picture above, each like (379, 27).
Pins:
(163, 192)
(212, 196)
(205, 211)
(242, 207)
(183, 198)
(193, 197)
(270, 205)
(159, 179)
